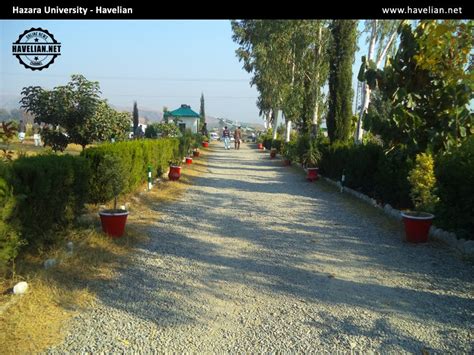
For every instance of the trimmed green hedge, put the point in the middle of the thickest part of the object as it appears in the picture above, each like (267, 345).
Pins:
(455, 188)
(40, 195)
(135, 157)
(51, 191)
(369, 170)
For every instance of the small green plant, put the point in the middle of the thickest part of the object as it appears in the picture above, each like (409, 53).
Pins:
(175, 162)
(422, 180)
(288, 151)
(312, 156)
(6, 135)
(113, 173)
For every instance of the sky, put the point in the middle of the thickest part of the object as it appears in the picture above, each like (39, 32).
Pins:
(156, 63)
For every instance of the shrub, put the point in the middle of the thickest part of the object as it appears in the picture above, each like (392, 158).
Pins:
(10, 240)
(422, 180)
(135, 157)
(455, 188)
(51, 191)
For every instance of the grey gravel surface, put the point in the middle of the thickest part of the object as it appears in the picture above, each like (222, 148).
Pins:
(256, 259)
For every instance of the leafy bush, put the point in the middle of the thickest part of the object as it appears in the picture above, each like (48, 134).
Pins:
(10, 240)
(51, 191)
(135, 157)
(422, 180)
(161, 130)
(455, 188)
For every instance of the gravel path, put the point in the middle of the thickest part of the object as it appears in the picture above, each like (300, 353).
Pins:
(256, 259)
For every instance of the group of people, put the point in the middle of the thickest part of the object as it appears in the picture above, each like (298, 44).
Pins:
(226, 138)
(36, 133)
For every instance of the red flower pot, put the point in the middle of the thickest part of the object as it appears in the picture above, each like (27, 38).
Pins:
(189, 160)
(113, 222)
(205, 144)
(260, 145)
(175, 173)
(417, 226)
(286, 162)
(273, 154)
(312, 174)
(195, 153)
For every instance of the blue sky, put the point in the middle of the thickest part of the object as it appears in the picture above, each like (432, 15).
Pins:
(157, 63)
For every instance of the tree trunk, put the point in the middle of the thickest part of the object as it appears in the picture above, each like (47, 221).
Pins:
(366, 89)
(275, 123)
(288, 131)
(316, 79)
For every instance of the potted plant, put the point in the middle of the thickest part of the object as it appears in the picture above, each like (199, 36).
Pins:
(205, 141)
(175, 169)
(288, 153)
(189, 160)
(113, 220)
(422, 180)
(260, 142)
(196, 152)
(311, 159)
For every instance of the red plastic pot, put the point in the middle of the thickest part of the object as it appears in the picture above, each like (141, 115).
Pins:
(205, 144)
(175, 173)
(113, 222)
(195, 153)
(273, 154)
(417, 226)
(260, 145)
(189, 160)
(312, 174)
(286, 162)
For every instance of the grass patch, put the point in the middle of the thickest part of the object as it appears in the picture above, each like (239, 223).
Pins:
(37, 320)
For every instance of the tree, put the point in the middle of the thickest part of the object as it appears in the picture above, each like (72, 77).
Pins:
(382, 36)
(135, 117)
(202, 112)
(342, 50)
(106, 124)
(427, 88)
(65, 108)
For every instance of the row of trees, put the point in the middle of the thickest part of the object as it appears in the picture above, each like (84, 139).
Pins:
(418, 79)
(74, 113)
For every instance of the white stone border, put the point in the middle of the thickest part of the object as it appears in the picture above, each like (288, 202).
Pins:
(466, 247)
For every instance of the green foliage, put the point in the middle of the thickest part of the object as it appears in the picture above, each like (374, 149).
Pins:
(455, 188)
(135, 117)
(162, 130)
(202, 112)
(8, 131)
(426, 90)
(76, 110)
(312, 156)
(57, 140)
(288, 150)
(422, 180)
(368, 169)
(68, 106)
(342, 52)
(187, 141)
(134, 157)
(10, 240)
(50, 192)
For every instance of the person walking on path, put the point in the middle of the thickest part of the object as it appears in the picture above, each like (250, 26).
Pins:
(226, 137)
(21, 131)
(237, 138)
(37, 134)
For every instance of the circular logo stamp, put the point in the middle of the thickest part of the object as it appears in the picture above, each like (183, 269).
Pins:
(36, 49)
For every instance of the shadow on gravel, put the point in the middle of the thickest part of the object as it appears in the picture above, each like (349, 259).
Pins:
(287, 255)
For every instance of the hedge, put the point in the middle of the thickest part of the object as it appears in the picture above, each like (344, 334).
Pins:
(51, 191)
(368, 169)
(135, 157)
(42, 194)
(455, 188)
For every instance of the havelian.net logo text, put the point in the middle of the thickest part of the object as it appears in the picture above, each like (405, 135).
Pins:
(36, 49)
